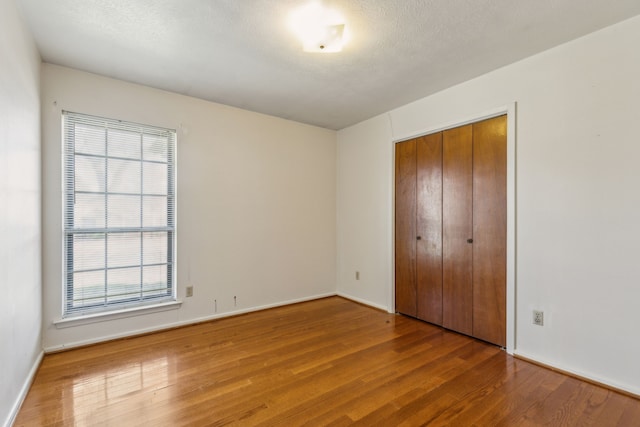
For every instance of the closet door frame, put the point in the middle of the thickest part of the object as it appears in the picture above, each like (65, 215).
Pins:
(510, 111)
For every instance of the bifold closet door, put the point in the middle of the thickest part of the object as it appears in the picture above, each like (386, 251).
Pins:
(457, 229)
(490, 229)
(405, 230)
(450, 230)
(429, 228)
(418, 236)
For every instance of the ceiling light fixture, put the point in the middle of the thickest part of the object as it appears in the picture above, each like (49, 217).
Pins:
(320, 29)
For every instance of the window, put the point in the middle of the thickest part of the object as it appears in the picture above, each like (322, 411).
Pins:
(119, 214)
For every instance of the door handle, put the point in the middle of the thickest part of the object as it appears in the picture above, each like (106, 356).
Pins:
(469, 240)
(419, 238)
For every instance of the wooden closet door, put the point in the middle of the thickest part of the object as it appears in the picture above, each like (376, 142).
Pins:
(490, 229)
(429, 228)
(457, 251)
(405, 233)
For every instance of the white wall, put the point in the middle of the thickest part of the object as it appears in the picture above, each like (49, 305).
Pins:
(20, 284)
(256, 203)
(364, 209)
(578, 202)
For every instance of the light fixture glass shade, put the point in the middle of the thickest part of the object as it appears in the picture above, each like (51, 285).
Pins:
(319, 29)
(327, 39)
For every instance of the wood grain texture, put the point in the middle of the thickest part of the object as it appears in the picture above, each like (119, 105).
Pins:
(323, 362)
(405, 228)
(457, 213)
(429, 227)
(490, 230)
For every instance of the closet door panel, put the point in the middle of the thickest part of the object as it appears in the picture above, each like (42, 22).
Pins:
(405, 227)
(457, 199)
(429, 228)
(490, 229)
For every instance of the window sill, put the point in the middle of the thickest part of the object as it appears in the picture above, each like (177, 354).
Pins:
(116, 314)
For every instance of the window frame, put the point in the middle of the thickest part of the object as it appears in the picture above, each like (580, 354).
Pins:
(168, 293)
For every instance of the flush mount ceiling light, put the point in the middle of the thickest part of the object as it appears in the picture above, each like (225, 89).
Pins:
(320, 29)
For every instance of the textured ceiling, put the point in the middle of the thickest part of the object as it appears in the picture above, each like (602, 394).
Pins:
(241, 53)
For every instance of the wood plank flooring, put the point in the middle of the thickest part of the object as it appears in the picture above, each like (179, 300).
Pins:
(324, 362)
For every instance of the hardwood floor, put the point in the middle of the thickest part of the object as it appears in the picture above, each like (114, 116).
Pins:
(324, 362)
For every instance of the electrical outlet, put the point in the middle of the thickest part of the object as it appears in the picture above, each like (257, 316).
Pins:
(357, 275)
(189, 291)
(538, 317)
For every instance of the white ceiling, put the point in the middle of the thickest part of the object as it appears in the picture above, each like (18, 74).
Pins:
(241, 53)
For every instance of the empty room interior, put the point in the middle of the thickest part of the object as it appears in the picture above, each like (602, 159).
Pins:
(370, 212)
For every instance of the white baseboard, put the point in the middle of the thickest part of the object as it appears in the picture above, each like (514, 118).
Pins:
(604, 382)
(363, 301)
(67, 346)
(26, 385)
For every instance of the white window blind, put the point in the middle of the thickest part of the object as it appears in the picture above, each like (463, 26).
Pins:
(119, 218)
